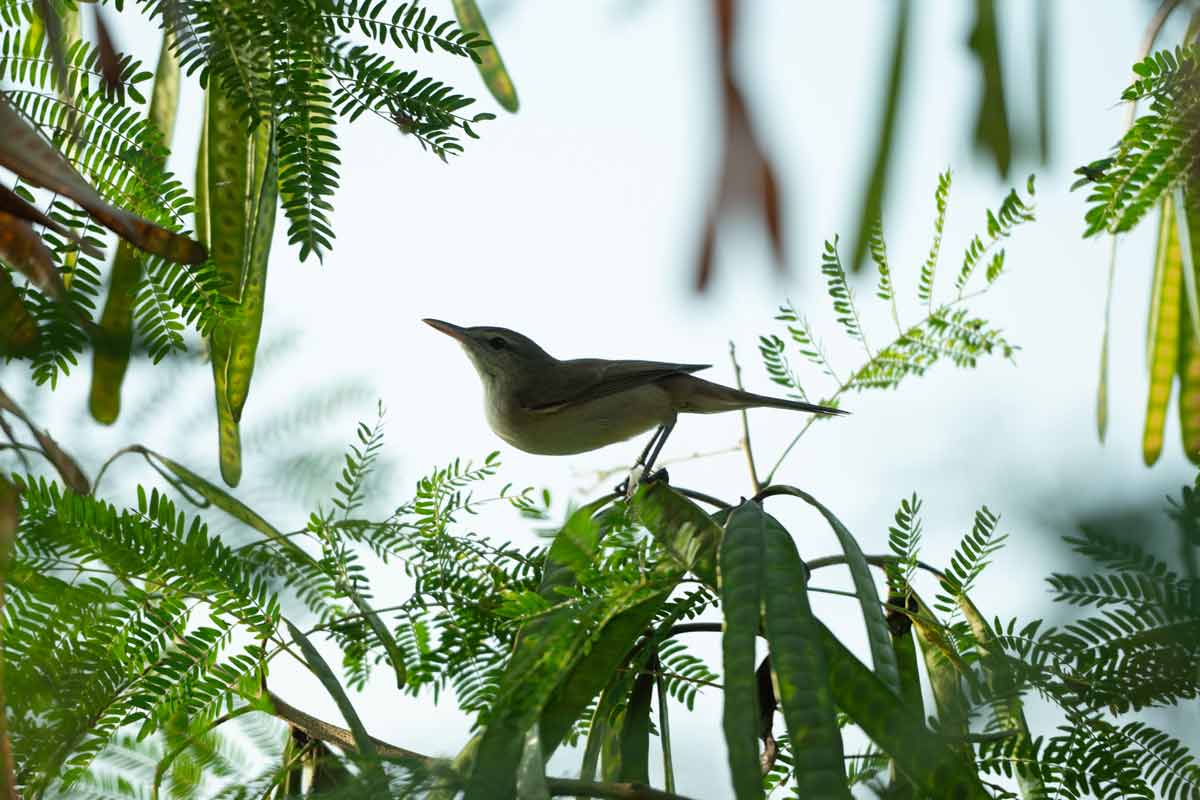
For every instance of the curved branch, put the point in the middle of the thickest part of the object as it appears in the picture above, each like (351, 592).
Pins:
(332, 734)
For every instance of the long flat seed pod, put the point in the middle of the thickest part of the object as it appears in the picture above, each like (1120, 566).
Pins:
(1163, 334)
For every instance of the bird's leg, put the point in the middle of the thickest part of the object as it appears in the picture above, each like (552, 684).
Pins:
(661, 439)
(641, 467)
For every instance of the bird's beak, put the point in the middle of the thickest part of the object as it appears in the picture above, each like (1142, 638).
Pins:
(451, 330)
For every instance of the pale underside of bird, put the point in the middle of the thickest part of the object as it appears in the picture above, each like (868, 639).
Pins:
(540, 404)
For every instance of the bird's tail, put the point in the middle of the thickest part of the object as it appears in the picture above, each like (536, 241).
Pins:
(698, 396)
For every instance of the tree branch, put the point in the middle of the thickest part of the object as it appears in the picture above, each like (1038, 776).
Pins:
(746, 448)
(332, 734)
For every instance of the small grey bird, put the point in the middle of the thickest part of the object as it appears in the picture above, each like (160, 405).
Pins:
(540, 404)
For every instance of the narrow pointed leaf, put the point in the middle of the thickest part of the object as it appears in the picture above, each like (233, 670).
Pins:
(1010, 709)
(319, 667)
(491, 66)
(68, 469)
(635, 729)
(22, 249)
(690, 535)
(740, 572)
(595, 669)
(9, 519)
(875, 191)
(992, 132)
(934, 767)
(878, 636)
(242, 512)
(18, 331)
(27, 154)
(531, 775)
(798, 664)
(544, 655)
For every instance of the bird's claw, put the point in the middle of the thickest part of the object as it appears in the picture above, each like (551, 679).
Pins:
(637, 477)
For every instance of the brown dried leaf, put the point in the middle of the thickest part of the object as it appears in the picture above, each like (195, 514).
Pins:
(23, 249)
(18, 206)
(110, 61)
(67, 468)
(18, 331)
(26, 153)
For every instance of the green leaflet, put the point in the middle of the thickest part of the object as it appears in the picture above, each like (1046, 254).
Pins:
(319, 667)
(689, 534)
(878, 636)
(740, 572)
(1011, 710)
(934, 767)
(114, 336)
(1163, 332)
(240, 511)
(799, 669)
(488, 61)
(18, 331)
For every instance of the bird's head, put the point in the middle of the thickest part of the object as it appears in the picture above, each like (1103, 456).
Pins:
(501, 356)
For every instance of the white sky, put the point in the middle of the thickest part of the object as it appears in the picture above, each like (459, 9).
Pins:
(576, 222)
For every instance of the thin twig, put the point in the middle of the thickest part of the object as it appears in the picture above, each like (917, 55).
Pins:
(702, 497)
(746, 448)
(601, 475)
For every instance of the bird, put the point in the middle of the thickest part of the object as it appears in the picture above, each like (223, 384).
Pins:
(543, 405)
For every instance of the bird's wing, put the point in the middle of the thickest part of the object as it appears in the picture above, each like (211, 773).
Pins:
(585, 379)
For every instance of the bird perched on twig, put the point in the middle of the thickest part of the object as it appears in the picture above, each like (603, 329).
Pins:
(540, 404)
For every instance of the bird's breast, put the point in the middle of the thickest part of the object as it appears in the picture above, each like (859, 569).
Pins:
(579, 427)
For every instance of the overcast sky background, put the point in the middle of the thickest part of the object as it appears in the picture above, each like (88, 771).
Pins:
(576, 222)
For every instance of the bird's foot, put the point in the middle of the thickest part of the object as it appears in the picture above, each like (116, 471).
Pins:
(637, 476)
(628, 486)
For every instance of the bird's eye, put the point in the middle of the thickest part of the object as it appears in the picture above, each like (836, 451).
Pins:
(497, 343)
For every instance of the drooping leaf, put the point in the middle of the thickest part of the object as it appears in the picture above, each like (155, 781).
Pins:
(546, 651)
(531, 774)
(882, 654)
(595, 669)
(487, 58)
(635, 728)
(799, 668)
(243, 513)
(741, 575)
(68, 469)
(1009, 708)
(875, 191)
(319, 667)
(992, 132)
(925, 758)
(682, 527)
(27, 154)
(18, 329)
(23, 249)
